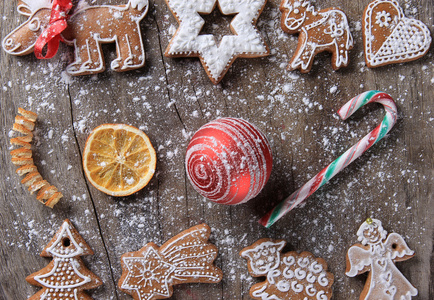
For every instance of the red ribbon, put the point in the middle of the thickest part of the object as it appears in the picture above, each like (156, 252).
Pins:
(51, 35)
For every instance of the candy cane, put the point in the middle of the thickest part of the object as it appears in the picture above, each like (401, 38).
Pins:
(345, 159)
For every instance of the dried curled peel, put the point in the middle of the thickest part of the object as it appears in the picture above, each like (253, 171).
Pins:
(118, 159)
(23, 157)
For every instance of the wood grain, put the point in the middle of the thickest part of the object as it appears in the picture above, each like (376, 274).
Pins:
(169, 99)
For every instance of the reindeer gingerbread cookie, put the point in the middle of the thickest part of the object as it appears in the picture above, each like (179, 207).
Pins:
(290, 276)
(323, 30)
(376, 254)
(87, 28)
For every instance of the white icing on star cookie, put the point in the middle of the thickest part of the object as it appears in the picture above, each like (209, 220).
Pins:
(390, 37)
(150, 272)
(216, 59)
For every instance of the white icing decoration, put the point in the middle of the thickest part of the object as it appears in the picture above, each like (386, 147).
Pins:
(297, 287)
(283, 286)
(129, 44)
(58, 250)
(378, 259)
(189, 256)
(33, 5)
(216, 58)
(258, 251)
(300, 274)
(322, 279)
(383, 18)
(301, 16)
(408, 39)
(60, 282)
(288, 273)
(310, 290)
(293, 275)
(154, 271)
(289, 260)
(117, 17)
(272, 274)
(315, 267)
(321, 296)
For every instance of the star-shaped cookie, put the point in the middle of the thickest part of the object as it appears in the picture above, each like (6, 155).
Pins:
(147, 273)
(150, 273)
(216, 59)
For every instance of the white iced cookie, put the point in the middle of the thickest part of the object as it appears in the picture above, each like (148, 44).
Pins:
(390, 37)
(216, 59)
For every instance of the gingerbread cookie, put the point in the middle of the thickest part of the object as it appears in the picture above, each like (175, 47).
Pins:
(390, 37)
(289, 276)
(216, 59)
(87, 28)
(23, 157)
(65, 277)
(323, 30)
(376, 254)
(150, 272)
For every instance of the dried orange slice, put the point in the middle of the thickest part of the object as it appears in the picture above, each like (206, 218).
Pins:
(118, 159)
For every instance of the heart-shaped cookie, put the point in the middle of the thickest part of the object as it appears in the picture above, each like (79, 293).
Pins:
(390, 37)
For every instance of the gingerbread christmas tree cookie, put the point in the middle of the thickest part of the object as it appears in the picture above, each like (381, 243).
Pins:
(150, 272)
(65, 277)
(376, 254)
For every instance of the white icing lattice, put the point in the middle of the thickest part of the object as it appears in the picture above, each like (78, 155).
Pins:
(403, 39)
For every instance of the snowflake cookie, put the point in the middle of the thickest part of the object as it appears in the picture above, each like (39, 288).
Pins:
(151, 272)
(289, 276)
(216, 59)
(376, 254)
(65, 277)
(390, 37)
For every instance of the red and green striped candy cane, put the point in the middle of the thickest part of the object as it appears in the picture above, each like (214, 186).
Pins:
(345, 159)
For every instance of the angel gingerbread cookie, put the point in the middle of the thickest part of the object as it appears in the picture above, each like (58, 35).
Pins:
(290, 276)
(376, 254)
(150, 272)
(87, 28)
(65, 277)
(390, 37)
(216, 59)
(322, 30)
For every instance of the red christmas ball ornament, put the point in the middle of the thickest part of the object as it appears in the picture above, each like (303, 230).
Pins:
(228, 161)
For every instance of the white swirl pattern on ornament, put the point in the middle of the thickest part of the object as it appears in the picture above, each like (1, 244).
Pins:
(228, 161)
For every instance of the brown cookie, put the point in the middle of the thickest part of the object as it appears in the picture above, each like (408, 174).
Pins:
(376, 254)
(322, 30)
(246, 40)
(87, 28)
(150, 272)
(390, 37)
(65, 277)
(290, 276)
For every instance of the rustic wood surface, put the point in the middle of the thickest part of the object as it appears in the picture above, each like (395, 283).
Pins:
(170, 99)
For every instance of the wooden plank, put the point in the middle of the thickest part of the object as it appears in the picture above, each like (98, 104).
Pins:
(169, 99)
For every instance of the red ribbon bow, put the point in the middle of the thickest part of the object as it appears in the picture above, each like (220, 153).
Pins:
(51, 35)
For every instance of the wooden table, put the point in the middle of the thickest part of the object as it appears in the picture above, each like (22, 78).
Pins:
(170, 99)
